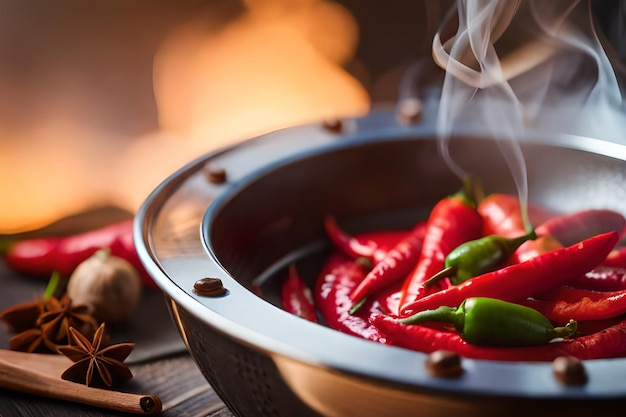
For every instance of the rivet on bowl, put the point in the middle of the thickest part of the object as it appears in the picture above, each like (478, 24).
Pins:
(334, 125)
(409, 111)
(209, 287)
(569, 370)
(444, 363)
(215, 175)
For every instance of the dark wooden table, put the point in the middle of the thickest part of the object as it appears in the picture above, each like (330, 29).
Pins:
(159, 362)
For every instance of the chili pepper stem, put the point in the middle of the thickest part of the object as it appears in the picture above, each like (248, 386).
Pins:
(367, 265)
(444, 273)
(443, 313)
(358, 305)
(53, 285)
(466, 193)
(477, 189)
(517, 241)
(364, 262)
(568, 331)
(4, 247)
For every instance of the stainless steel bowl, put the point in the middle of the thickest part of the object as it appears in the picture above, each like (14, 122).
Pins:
(375, 173)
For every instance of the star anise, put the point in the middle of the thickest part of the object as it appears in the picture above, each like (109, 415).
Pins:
(21, 319)
(23, 316)
(31, 341)
(93, 363)
(59, 316)
(42, 324)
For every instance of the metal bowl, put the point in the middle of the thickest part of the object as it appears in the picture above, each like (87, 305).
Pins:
(372, 173)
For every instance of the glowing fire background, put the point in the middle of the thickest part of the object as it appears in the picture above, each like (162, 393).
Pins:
(101, 100)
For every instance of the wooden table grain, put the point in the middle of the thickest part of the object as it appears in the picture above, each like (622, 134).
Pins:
(160, 364)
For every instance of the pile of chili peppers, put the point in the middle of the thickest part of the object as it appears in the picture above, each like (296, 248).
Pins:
(478, 279)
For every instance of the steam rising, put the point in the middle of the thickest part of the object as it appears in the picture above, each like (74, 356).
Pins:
(516, 66)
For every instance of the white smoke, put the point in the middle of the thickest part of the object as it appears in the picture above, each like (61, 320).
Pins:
(520, 65)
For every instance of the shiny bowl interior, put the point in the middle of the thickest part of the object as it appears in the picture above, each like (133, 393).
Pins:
(375, 174)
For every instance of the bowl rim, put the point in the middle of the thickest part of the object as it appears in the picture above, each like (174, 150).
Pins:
(262, 325)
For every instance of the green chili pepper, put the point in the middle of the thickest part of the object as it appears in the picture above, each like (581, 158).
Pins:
(478, 257)
(492, 322)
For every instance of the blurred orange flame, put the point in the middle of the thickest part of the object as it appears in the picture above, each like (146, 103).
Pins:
(279, 64)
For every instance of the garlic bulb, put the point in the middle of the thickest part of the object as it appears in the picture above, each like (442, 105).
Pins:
(108, 284)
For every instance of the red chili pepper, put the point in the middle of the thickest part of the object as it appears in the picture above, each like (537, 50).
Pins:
(395, 266)
(602, 278)
(502, 215)
(451, 222)
(41, 256)
(296, 297)
(574, 227)
(606, 343)
(593, 326)
(389, 298)
(572, 295)
(564, 303)
(567, 229)
(522, 280)
(351, 245)
(533, 248)
(333, 287)
(616, 258)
